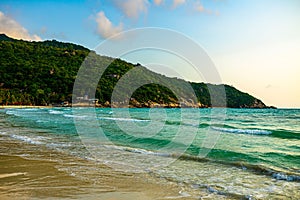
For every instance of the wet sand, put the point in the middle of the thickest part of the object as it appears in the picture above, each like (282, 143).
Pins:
(70, 178)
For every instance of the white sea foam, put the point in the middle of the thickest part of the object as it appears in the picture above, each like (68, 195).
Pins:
(12, 112)
(55, 112)
(242, 131)
(41, 121)
(282, 176)
(27, 139)
(20, 112)
(55, 145)
(30, 109)
(136, 150)
(74, 116)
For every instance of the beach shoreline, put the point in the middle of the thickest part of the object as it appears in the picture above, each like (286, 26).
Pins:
(19, 179)
(89, 106)
(22, 106)
(43, 155)
(47, 174)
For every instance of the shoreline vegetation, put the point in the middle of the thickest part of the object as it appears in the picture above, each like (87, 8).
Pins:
(44, 73)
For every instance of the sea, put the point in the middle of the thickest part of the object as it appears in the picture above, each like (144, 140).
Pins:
(209, 153)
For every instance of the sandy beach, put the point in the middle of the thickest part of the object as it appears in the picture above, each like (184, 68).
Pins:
(31, 172)
(59, 176)
(22, 106)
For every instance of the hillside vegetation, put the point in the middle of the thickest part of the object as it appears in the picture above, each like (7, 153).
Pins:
(43, 73)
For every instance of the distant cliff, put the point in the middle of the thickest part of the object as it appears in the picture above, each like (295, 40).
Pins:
(43, 73)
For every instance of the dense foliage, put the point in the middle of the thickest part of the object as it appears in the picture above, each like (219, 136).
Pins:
(36, 72)
(43, 73)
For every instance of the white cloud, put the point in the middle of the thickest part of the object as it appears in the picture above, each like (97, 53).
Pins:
(13, 29)
(200, 8)
(158, 2)
(132, 8)
(178, 2)
(105, 28)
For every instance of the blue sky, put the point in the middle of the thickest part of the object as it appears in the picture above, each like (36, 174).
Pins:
(254, 44)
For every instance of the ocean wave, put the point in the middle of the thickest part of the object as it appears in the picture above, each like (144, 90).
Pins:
(22, 112)
(12, 112)
(278, 175)
(57, 145)
(261, 169)
(137, 150)
(286, 134)
(173, 123)
(146, 152)
(41, 121)
(242, 131)
(222, 191)
(55, 112)
(255, 168)
(198, 125)
(157, 153)
(285, 177)
(123, 119)
(74, 116)
(30, 109)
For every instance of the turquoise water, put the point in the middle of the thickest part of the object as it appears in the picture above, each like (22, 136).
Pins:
(241, 153)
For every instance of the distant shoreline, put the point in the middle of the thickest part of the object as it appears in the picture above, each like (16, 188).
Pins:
(23, 106)
(27, 106)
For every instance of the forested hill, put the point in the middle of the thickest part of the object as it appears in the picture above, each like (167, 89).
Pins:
(43, 73)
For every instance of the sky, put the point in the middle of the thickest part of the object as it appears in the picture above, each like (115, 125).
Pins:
(254, 44)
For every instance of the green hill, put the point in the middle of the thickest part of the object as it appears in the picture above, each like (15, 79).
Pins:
(43, 73)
